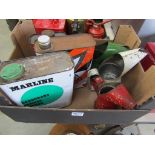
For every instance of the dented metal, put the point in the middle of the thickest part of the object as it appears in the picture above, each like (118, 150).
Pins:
(118, 65)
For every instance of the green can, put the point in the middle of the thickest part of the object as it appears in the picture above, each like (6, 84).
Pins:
(105, 51)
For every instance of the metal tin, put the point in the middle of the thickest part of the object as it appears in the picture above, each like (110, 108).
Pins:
(91, 73)
(97, 82)
(119, 64)
(113, 97)
(57, 25)
(46, 82)
(131, 58)
(81, 49)
(95, 27)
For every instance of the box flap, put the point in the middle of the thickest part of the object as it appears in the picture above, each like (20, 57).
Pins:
(16, 54)
(72, 41)
(133, 40)
(145, 88)
(127, 36)
(69, 42)
(140, 84)
(131, 78)
(22, 31)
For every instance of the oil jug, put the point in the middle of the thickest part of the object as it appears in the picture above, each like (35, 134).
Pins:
(42, 81)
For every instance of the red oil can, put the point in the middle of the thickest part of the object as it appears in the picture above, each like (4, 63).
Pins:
(95, 27)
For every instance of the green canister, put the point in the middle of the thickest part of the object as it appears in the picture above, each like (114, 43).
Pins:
(105, 51)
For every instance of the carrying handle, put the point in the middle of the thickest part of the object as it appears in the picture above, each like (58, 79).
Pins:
(91, 22)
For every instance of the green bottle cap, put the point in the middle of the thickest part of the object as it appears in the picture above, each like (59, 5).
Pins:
(12, 72)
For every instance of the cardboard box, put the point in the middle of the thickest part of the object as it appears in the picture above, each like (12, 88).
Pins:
(25, 29)
(139, 83)
(126, 35)
(80, 111)
(20, 37)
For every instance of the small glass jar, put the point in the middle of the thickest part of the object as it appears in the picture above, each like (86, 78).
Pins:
(44, 42)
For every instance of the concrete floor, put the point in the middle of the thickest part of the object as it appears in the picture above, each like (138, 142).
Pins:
(8, 126)
(6, 46)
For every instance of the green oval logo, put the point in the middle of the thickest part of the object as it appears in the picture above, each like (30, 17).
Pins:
(41, 95)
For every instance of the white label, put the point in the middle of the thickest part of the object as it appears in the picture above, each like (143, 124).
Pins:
(16, 90)
(80, 114)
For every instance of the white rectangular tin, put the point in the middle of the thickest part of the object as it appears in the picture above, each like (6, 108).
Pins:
(53, 90)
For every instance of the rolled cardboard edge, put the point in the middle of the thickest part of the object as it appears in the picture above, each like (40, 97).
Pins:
(68, 43)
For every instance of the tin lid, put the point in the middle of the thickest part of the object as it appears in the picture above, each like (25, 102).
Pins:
(12, 72)
(49, 33)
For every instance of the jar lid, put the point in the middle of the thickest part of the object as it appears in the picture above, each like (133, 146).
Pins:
(12, 71)
(44, 40)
